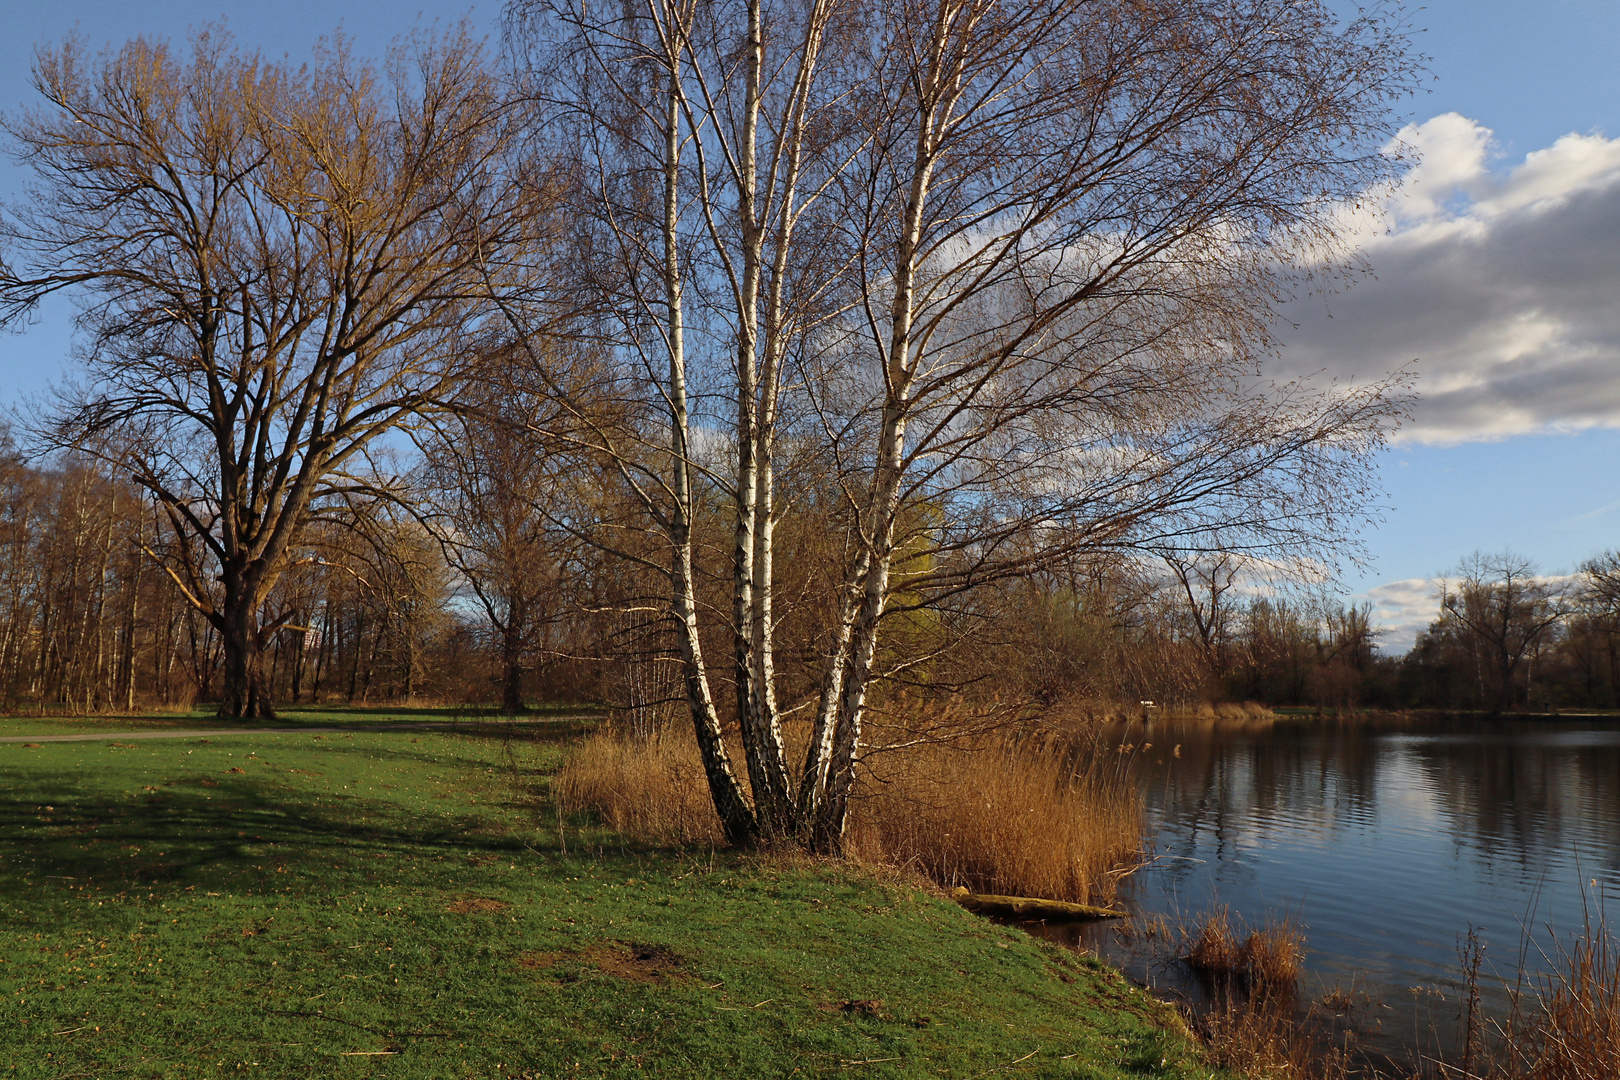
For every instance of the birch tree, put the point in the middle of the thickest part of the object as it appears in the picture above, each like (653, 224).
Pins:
(1006, 270)
(276, 265)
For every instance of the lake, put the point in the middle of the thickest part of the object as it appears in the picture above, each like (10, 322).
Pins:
(1387, 840)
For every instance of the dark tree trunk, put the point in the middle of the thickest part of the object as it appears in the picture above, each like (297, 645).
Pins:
(511, 675)
(244, 693)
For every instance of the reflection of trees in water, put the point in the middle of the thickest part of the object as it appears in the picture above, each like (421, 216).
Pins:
(1313, 773)
(1532, 793)
(1232, 779)
(1517, 803)
(1525, 794)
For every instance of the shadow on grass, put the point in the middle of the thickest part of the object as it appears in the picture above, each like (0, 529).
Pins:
(558, 720)
(203, 828)
(446, 712)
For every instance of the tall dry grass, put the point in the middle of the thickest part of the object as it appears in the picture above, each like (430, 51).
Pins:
(651, 790)
(1089, 712)
(1001, 816)
(1575, 1025)
(1007, 815)
(1564, 1026)
(1264, 1039)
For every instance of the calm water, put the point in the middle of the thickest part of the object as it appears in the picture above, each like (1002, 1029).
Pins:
(1387, 842)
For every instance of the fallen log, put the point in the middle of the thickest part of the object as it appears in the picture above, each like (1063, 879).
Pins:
(1029, 907)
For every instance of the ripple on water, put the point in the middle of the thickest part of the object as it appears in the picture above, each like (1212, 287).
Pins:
(1389, 845)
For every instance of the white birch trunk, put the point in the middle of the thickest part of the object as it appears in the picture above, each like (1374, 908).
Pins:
(838, 726)
(735, 814)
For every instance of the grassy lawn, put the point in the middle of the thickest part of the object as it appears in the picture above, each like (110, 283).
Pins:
(399, 905)
(356, 716)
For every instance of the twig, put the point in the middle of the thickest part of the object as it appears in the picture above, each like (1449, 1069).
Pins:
(1010, 1064)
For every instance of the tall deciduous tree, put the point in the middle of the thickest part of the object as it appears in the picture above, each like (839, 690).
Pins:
(488, 493)
(1007, 267)
(1506, 611)
(275, 264)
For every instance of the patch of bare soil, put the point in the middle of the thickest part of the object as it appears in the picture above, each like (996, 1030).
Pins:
(633, 962)
(637, 963)
(477, 905)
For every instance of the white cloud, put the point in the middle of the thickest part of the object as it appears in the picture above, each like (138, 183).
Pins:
(1402, 609)
(1502, 285)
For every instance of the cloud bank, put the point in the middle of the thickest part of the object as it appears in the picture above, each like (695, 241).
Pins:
(1401, 610)
(1502, 285)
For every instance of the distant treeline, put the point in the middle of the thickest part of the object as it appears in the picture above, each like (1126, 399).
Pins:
(483, 603)
(92, 617)
(466, 593)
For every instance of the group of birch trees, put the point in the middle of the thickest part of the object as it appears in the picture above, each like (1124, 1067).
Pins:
(986, 280)
(822, 323)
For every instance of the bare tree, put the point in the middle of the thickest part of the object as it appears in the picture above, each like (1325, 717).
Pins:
(1507, 611)
(276, 264)
(489, 493)
(1004, 272)
(1600, 584)
(1204, 583)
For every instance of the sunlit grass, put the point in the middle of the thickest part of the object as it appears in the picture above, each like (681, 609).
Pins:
(411, 905)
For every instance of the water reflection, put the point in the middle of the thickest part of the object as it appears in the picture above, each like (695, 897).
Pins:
(1388, 841)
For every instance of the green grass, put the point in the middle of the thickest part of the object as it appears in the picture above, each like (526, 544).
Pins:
(400, 905)
(312, 716)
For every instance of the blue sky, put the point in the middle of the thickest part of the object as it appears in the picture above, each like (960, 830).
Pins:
(1497, 269)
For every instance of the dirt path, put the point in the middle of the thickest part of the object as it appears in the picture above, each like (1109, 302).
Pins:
(421, 725)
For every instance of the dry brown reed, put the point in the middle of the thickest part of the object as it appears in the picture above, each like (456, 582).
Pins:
(1253, 1025)
(1263, 1039)
(1576, 1022)
(1564, 1026)
(1089, 712)
(999, 815)
(651, 790)
(1215, 950)
(1272, 955)
(1007, 815)
(1229, 710)
(1268, 958)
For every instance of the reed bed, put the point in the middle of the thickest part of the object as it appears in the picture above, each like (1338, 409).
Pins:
(1268, 958)
(1574, 1029)
(1013, 816)
(1565, 1025)
(1263, 1038)
(1002, 815)
(650, 790)
(1089, 712)
(1254, 1023)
